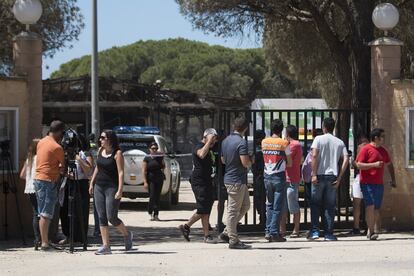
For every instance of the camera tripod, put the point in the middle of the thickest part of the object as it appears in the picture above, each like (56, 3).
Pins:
(9, 185)
(74, 200)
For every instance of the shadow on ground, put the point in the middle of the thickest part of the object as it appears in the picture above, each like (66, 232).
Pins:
(142, 206)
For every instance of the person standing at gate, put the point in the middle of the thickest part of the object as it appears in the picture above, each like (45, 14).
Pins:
(307, 168)
(236, 158)
(357, 196)
(327, 151)
(202, 185)
(371, 162)
(153, 172)
(307, 176)
(277, 156)
(258, 176)
(293, 181)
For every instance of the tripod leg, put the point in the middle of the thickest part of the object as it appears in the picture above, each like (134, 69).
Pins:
(14, 190)
(79, 208)
(71, 214)
(5, 192)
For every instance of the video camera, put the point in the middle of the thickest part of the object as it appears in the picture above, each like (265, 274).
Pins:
(5, 147)
(71, 144)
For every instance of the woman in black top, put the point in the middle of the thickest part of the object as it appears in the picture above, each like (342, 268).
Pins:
(153, 173)
(109, 178)
(201, 183)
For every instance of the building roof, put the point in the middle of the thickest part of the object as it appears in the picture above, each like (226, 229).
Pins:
(289, 104)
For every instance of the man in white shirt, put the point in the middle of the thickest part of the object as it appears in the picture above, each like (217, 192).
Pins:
(327, 151)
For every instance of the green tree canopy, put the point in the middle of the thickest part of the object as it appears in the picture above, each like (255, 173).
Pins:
(60, 24)
(190, 65)
(321, 43)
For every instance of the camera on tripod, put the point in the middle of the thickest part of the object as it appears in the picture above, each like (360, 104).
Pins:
(5, 147)
(71, 144)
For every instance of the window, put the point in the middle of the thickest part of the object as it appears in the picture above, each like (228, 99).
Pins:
(9, 138)
(409, 126)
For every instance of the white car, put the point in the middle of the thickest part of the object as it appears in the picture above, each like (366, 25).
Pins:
(134, 142)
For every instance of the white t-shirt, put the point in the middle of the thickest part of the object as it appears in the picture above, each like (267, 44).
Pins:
(331, 149)
(81, 174)
(30, 174)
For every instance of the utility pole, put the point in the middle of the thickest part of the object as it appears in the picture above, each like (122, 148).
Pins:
(94, 71)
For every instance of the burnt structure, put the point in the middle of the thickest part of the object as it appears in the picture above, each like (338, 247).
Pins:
(180, 115)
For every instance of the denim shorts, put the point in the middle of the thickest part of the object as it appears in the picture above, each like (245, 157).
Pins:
(373, 194)
(47, 196)
(292, 196)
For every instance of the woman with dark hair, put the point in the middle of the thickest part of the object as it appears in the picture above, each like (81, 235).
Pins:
(109, 179)
(153, 172)
(28, 173)
(84, 166)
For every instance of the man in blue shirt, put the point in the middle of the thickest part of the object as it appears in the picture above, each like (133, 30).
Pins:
(237, 160)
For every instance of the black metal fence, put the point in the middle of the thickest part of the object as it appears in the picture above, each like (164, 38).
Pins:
(350, 125)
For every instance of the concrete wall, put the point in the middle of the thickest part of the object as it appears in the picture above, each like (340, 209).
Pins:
(398, 207)
(14, 93)
(385, 66)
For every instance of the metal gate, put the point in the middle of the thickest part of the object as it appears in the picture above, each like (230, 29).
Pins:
(350, 125)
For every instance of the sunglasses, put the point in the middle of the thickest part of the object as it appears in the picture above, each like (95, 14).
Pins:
(102, 137)
(154, 148)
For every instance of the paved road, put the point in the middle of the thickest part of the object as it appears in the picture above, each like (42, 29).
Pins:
(162, 251)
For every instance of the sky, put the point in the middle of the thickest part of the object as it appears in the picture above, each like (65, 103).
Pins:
(122, 22)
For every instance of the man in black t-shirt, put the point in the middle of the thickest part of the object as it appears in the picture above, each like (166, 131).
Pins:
(201, 183)
(258, 176)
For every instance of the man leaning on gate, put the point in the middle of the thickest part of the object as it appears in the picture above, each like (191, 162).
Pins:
(327, 151)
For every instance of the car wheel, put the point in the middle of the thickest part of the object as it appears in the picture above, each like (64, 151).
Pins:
(176, 195)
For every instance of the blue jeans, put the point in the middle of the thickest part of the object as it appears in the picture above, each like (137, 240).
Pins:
(47, 196)
(292, 198)
(323, 196)
(276, 201)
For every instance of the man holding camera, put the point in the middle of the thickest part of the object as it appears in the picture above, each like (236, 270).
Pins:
(49, 164)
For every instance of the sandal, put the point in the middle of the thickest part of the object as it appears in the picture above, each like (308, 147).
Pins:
(294, 235)
(373, 237)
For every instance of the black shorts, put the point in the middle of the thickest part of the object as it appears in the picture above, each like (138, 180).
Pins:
(203, 193)
(223, 191)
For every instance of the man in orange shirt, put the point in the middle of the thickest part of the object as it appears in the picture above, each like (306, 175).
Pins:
(50, 160)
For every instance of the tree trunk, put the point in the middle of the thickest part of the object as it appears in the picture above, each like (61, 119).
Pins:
(361, 64)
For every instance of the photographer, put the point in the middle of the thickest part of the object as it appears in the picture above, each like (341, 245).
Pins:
(83, 161)
(49, 164)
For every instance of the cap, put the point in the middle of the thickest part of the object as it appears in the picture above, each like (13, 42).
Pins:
(210, 131)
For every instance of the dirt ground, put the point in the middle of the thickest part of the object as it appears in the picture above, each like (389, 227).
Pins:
(160, 250)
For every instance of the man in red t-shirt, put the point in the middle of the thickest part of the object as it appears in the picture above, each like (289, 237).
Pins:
(371, 161)
(293, 179)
